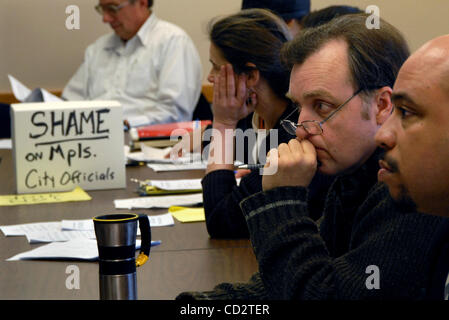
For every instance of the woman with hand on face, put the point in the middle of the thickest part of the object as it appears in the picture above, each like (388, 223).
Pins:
(250, 83)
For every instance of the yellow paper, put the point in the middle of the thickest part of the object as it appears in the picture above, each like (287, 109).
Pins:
(185, 214)
(77, 194)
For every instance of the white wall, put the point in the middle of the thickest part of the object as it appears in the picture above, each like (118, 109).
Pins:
(36, 47)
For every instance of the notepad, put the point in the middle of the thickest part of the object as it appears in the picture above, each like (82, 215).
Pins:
(184, 214)
(77, 194)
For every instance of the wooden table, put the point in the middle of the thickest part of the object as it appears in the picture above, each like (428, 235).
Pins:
(187, 259)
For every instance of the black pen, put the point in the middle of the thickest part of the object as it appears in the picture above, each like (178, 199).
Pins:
(251, 166)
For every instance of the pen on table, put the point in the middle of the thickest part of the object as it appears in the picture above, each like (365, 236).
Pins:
(251, 166)
(155, 242)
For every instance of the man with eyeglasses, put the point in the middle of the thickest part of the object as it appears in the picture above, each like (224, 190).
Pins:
(149, 65)
(365, 247)
(416, 140)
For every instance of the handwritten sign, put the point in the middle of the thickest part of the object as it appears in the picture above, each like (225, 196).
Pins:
(60, 145)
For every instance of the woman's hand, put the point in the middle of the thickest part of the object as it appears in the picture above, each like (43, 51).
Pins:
(231, 101)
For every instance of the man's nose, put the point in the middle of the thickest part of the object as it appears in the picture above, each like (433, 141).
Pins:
(385, 137)
(107, 17)
(301, 133)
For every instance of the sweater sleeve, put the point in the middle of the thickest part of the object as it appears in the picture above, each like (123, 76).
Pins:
(221, 197)
(251, 290)
(386, 258)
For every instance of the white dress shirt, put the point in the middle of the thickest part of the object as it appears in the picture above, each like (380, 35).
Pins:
(156, 75)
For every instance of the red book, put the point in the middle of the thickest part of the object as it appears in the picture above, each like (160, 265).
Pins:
(163, 131)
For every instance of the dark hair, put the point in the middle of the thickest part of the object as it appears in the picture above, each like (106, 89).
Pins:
(287, 9)
(254, 36)
(322, 16)
(374, 55)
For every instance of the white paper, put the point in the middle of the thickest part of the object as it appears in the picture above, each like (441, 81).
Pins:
(161, 220)
(183, 184)
(21, 92)
(30, 228)
(79, 225)
(154, 153)
(140, 156)
(157, 155)
(76, 249)
(59, 236)
(177, 167)
(5, 144)
(83, 249)
(159, 201)
(150, 154)
(49, 97)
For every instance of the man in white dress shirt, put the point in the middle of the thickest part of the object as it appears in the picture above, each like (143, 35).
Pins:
(149, 65)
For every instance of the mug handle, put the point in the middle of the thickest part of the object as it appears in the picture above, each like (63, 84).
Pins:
(145, 233)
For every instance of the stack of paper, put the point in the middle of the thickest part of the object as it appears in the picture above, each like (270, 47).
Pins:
(174, 185)
(67, 237)
(166, 187)
(65, 230)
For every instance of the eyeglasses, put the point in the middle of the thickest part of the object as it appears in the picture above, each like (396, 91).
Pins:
(312, 127)
(111, 9)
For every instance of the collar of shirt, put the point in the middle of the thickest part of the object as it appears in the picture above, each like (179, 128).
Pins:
(140, 39)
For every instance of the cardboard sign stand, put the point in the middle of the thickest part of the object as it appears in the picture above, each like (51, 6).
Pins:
(60, 145)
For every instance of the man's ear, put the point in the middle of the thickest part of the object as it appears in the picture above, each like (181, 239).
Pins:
(253, 75)
(384, 104)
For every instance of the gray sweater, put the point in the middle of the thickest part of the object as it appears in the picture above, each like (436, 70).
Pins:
(365, 241)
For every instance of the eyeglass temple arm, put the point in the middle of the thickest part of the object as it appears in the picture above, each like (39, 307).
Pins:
(288, 116)
(341, 106)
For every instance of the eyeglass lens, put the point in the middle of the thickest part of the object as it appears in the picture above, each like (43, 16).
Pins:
(109, 8)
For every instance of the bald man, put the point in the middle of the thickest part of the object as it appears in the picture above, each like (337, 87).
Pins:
(416, 139)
